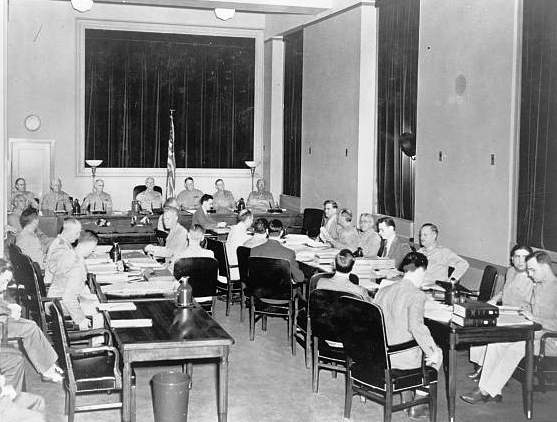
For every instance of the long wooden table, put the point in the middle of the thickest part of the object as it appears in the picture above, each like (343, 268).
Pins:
(449, 336)
(176, 334)
(121, 230)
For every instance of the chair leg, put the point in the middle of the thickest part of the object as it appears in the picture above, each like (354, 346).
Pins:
(348, 393)
(228, 297)
(133, 403)
(242, 303)
(388, 410)
(315, 367)
(264, 323)
(433, 402)
(71, 406)
(251, 320)
(308, 346)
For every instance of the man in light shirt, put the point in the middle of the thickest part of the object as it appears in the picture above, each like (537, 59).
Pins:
(347, 234)
(98, 200)
(439, 258)
(56, 199)
(60, 246)
(150, 199)
(177, 239)
(329, 230)
(237, 237)
(189, 198)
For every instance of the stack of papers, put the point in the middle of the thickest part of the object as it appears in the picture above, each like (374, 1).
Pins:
(117, 306)
(112, 278)
(297, 239)
(510, 319)
(140, 289)
(131, 323)
(104, 268)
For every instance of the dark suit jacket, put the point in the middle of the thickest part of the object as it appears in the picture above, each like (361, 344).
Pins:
(273, 249)
(399, 249)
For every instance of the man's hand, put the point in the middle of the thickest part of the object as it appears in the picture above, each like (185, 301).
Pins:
(8, 391)
(85, 324)
(435, 359)
(16, 310)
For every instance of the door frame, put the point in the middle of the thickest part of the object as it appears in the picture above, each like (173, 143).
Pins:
(14, 141)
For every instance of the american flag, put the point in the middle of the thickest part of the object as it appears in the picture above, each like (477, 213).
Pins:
(171, 162)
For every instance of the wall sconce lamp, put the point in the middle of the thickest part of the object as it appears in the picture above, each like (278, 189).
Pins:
(93, 164)
(252, 165)
(224, 14)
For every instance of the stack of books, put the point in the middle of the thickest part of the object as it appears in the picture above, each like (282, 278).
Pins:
(475, 314)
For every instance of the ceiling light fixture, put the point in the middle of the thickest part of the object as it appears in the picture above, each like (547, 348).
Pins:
(82, 5)
(224, 14)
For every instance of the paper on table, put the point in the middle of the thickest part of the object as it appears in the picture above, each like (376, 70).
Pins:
(368, 284)
(437, 311)
(117, 306)
(105, 268)
(111, 278)
(130, 323)
(96, 261)
(507, 319)
(102, 249)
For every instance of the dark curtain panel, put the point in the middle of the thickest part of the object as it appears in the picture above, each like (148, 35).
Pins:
(397, 98)
(133, 79)
(537, 187)
(293, 75)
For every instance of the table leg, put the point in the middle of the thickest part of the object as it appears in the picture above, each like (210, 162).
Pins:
(126, 389)
(529, 355)
(452, 377)
(223, 385)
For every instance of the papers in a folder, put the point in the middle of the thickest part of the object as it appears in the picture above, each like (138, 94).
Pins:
(117, 306)
(131, 323)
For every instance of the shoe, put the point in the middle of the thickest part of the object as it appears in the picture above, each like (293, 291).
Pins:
(418, 412)
(477, 397)
(476, 374)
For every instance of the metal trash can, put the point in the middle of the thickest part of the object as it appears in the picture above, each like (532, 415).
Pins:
(170, 396)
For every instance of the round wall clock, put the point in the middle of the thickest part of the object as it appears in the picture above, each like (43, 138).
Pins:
(32, 123)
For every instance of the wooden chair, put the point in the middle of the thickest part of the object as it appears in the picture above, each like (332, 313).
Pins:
(25, 278)
(87, 370)
(202, 273)
(545, 368)
(271, 293)
(225, 283)
(326, 328)
(243, 253)
(369, 371)
(312, 220)
(302, 326)
(487, 285)
(17, 289)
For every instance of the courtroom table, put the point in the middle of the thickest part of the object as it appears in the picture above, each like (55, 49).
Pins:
(176, 334)
(449, 336)
(121, 230)
(288, 218)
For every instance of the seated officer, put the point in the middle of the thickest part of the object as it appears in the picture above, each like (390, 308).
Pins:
(98, 200)
(150, 199)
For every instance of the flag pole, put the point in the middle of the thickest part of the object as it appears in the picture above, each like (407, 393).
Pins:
(171, 161)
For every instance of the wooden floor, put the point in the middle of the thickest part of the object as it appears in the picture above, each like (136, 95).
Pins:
(268, 384)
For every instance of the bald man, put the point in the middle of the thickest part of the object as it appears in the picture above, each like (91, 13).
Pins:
(56, 199)
(260, 200)
(150, 199)
(98, 200)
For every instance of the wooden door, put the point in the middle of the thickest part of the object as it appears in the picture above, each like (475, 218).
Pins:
(32, 159)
